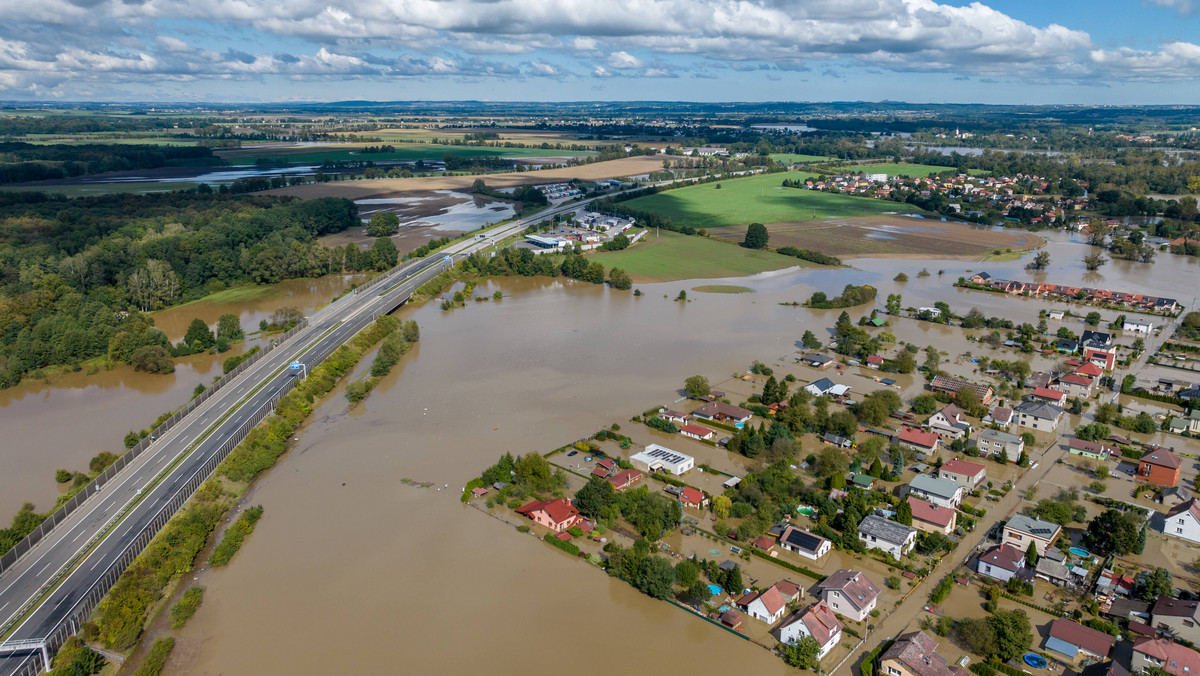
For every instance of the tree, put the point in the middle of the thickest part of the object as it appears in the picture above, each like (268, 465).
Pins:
(229, 327)
(720, 506)
(619, 279)
(924, 404)
(1153, 584)
(1092, 319)
(1094, 261)
(893, 304)
(383, 224)
(696, 387)
(1040, 262)
(732, 581)
(1013, 633)
(383, 254)
(830, 461)
(1113, 532)
(756, 236)
(199, 336)
(906, 362)
(656, 577)
(978, 635)
(687, 573)
(152, 359)
(809, 341)
(904, 513)
(1031, 556)
(1093, 432)
(803, 653)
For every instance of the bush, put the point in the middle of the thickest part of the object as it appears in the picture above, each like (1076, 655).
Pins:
(234, 536)
(567, 547)
(183, 609)
(662, 425)
(156, 658)
(238, 359)
(942, 590)
(62, 476)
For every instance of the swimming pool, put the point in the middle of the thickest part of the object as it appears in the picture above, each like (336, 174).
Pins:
(714, 589)
(806, 510)
(1079, 551)
(1034, 660)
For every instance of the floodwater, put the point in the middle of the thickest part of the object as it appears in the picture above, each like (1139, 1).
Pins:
(305, 294)
(442, 210)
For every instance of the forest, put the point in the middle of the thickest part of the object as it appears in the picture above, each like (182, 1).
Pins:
(77, 275)
(20, 162)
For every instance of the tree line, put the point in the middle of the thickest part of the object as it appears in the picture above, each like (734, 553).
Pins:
(20, 162)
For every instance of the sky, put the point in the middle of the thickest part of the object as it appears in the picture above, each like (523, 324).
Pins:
(921, 51)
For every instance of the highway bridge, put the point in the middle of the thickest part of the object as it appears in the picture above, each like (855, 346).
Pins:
(47, 593)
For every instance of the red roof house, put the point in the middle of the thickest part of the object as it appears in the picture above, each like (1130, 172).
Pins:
(624, 479)
(1161, 467)
(557, 515)
(697, 432)
(1090, 370)
(930, 517)
(1048, 394)
(692, 497)
(1071, 638)
(1171, 657)
(919, 438)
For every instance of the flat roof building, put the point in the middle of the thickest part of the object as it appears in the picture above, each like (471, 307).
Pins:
(662, 459)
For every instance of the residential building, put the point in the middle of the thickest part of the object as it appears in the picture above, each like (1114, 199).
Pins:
(950, 422)
(770, 604)
(835, 440)
(1020, 530)
(819, 387)
(557, 515)
(699, 432)
(964, 473)
(1176, 618)
(1001, 562)
(817, 621)
(1089, 370)
(1054, 572)
(688, 496)
(874, 361)
(953, 385)
(931, 517)
(1183, 521)
(804, 543)
(722, 412)
(995, 442)
(938, 491)
(1139, 326)
(1169, 656)
(919, 439)
(1160, 466)
(1047, 394)
(849, 593)
(913, 655)
(1001, 416)
(1095, 338)
(890, 537)
(1092, 449)
(662, 459)
(817, 361)
(675, 417)
(1076, 385)
(1077, 642)
(624, 479)
(1038, 415)
(1104, 358)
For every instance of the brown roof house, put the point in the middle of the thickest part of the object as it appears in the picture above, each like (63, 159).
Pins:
(1176, 618)
(817, 621)
(1171, 657)
(849, 593)
(913, 655)
(1077, 642)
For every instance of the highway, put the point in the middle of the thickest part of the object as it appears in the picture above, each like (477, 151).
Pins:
(57, 583)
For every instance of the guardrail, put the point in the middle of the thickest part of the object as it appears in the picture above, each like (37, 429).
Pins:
(29, 541)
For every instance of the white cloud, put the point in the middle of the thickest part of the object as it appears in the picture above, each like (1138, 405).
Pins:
(601, 71)
(624, 60)
(542, 69)
(1181, 6)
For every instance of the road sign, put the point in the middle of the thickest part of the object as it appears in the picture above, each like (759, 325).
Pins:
(295, 366)
(445, 258)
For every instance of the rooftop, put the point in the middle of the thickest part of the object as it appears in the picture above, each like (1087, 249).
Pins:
(1004, 556)
(963, 467)
(943, 488)
(930, 513)
(888, 531)
(1163, 458)
(802, 539)
(855, 586)
(1091, 640)
(916, 651)
(1032, 526)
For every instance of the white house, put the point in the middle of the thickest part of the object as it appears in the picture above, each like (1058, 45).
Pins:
(893, 538)
(849, 593)
(938, 491)
(1020, 530)
(1038, 415)
(817, 621)
(964, 473)
(949, 422)
(1183, 521)
(770, 605)
(804, 543)
(995, 442)
(1139, 325)
(662, 459)
(1001, 562)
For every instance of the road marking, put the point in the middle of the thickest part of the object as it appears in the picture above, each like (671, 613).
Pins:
(81, 534)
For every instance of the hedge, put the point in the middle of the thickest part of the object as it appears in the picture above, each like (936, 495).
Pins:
(942, 590)
(786, 564)
(867, 668)
(156, 659)
(235, 535)
(1030, 604)
(561, 544)
(720, 426)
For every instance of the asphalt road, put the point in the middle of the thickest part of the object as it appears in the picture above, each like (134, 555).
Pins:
(83, 548)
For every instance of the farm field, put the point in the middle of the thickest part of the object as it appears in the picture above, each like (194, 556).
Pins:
(759, 199)
(355, 190)
(792, 158)
(913, 170)
(889, 236)
(353, 153)
(671, 256)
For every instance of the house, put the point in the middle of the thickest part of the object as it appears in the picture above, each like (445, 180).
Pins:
(1095, 339)
(804, 543)
(1001, 562)
(607, 464)
(1139, 326)
(699, 432)
(688, 496)
(1056, 314)
(1183, 521)
(953, 385)
(819, 387)
(1076, 385)
(1078, 642)
(1128, 609)
(675, 417)
(913, 655)
(1038, 415)
(964, 473)
(624, 479)
(938, 491)
(662, 459)
(731, 619)
(1110, 582)
(770, 604)
(863, 481)
(1169, 656)
(874, 361)
(817, 361)
(1020, 530)
(932, 518)
(995, 442)
(981, 278)
(1176, 618)
(817, 621)
(835, 440)
(1160, 466)
(919, 439)
(1066, 346)
(478, 492)
(1047, 394)
(1092, 449)
(1090, 370)
(949, 422)
(722, 412)
(890, 537)
(849, 593)
(1054, 572)
(557, 515)
(601, 472)
(1177, 425)
(1000, 416)
(1104, 358)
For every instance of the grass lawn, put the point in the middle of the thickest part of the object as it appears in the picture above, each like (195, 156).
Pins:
(417, 151)
(760, 199)
(791, 158)
(672, 256)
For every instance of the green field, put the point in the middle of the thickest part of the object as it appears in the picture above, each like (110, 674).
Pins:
(789, 158)
(911, 170)
(420, 151)
(671, 256)
(759, 199)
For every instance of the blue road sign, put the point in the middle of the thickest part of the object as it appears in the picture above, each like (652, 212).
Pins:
(445, 258)
(295, 365)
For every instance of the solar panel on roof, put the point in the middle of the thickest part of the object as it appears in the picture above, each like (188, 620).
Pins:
(803, 540)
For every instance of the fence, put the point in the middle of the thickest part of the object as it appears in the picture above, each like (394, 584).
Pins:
(25, 545)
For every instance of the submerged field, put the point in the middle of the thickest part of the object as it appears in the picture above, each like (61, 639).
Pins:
(670, 256)
(793, 158)
(760, 199)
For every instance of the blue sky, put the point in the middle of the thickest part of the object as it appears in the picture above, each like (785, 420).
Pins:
(1016, 51)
